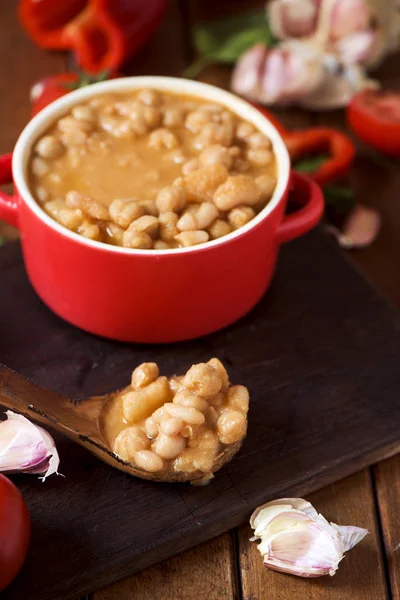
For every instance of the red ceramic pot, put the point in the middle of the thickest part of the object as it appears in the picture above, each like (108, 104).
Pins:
(148, 295)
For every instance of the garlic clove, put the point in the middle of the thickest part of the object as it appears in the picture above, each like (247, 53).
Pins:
(350, 535)
(310, 550)
(25, 447)
(360, 229)
(296, 539)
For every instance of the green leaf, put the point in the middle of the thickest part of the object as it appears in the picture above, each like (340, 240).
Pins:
(2, 240)
(340, 198)
(225, 40)
(310, 164)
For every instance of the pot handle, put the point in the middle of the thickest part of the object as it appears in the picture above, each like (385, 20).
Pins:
(309, 195)
(8, 204)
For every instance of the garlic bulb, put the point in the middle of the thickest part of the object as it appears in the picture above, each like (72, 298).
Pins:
(296, 539)
(26, 448)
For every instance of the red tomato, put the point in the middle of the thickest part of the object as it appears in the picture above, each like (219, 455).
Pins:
(14, 531)
(50, 88)
(375, 117)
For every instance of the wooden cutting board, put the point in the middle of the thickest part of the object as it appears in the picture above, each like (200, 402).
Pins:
(320, 355)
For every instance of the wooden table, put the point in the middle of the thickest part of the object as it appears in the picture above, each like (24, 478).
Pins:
(230, 567)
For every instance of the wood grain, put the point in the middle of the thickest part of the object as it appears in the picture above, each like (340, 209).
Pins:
(310, 418)
(206, 571)
(21, 64)
(387, 479)
(361, 573)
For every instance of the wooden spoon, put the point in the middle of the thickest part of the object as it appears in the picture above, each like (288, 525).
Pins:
(82, 422)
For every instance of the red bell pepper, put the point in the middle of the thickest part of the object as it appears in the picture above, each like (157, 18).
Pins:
(314, 140)
(49, 88)
(101, 33)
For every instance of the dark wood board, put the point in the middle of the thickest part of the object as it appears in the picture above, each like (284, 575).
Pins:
(320, 355)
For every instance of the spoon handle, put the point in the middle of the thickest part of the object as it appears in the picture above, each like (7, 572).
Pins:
(47, 407)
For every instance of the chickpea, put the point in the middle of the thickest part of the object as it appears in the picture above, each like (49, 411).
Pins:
(238, 189)
(216, 364)
(39, 167)
(84, 113)
(190, 165)
(238, 397)
(160, 245)
(88, 205)
(148, 461)
(91, 231)
(167, 226)
(215, 154)
(196, 120)
(218, 229)
(74, 137)
(116, 233)
(151, 427)
(130, 440)
(191, 238)
(145, 224)
(144, 374)
(69, 124)
(201, 184)
(240, 216)
(119, 128)
(171, 426)
(41, 193)
(260, 157)
(203, 217)
(171, 199)
(266, 185)
(212, 133)
(149, 207)
(188, 414)
(186, 398)
(168, 446)
(175, 383)
(49, 147)
(258, 141)
(70, 218)
(149, 97)
(123, 212)
(144, 402)
(136, 240)
(173, 117)
(231, 426)
(187, 222)
(244, 130)
(203, 379)
(163, 138)
(159, 415)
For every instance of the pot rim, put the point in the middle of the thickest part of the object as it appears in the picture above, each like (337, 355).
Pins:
(243, 109)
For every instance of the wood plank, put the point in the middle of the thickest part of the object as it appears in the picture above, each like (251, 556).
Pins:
(290, 355)
(206, 571)
(387, 479)
(361, 573)
(21, 64)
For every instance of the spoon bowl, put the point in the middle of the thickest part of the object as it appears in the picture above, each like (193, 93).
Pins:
(82, 422)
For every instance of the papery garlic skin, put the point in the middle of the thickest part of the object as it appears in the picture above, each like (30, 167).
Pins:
(295, 539)
(26, 448)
